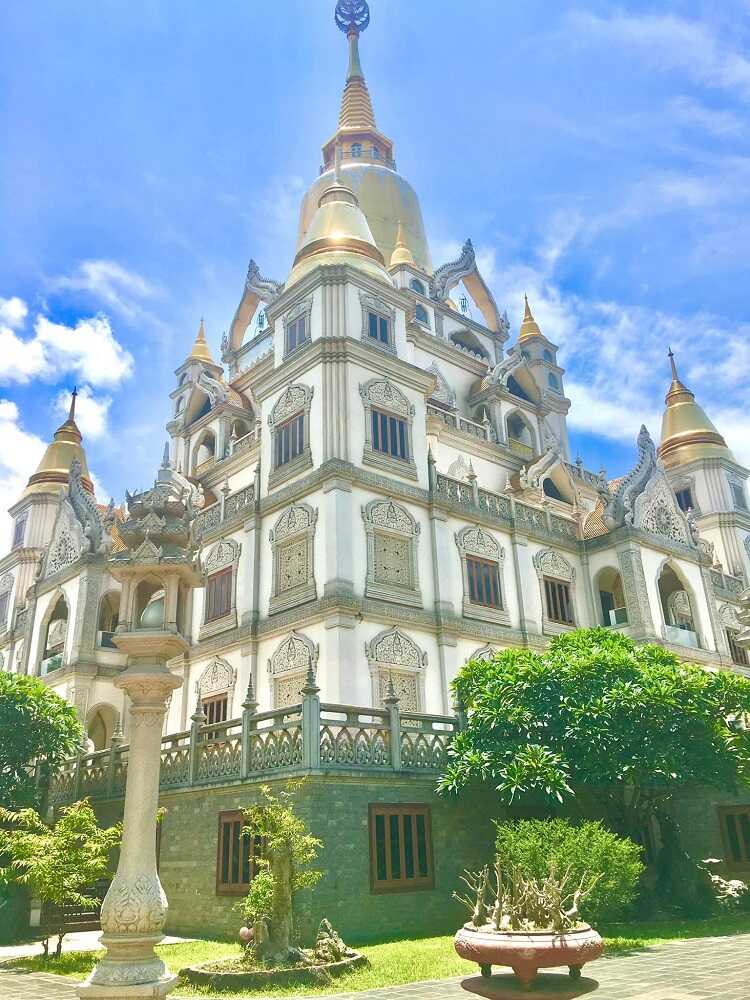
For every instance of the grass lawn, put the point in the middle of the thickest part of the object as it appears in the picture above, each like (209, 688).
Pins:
(396, 962)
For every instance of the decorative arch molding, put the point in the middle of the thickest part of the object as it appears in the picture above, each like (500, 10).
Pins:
(295, 401)
(48, 621)
(293, 556)
(460, 469)
(464, 268)
(218, 677)
(392, 552)
(383, 395)
(220, 571)
(468, 342)
(557, 590)
(518, 414)
(485, 652)
(68, 541)
(109, 719)
(681, 601)
(474, 543)
(443, 393)
(393, 656)
(300, 310)
(294, 658)
(656, 511)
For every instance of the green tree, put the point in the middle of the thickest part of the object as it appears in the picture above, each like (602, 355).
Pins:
(286, 845)
(35, 724)
(613, 727)
(57, 863)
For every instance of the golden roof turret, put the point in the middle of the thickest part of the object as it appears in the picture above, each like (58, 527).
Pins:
(52, 473)
(401, 253)
(686, 431)
(200, 351)
(529, 326)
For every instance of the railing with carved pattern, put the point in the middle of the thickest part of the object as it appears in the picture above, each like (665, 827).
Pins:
(459, 423)
(353, 737)
(455, 490)
(301, 738)
(475, 429)
(494, 504)
(731, 586)
(235, 505)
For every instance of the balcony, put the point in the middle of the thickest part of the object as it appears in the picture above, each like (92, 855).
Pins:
(519, 448)
(50, 664)
(681, 636)
(618, 616)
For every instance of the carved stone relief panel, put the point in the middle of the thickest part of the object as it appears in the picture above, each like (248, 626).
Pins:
(392, 557)
(292, 546)
(289, 666)
(393, 654)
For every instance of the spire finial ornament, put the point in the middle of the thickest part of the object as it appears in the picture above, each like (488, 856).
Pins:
(352, 16)
(73, 397)
(670, 355)
(529, 326)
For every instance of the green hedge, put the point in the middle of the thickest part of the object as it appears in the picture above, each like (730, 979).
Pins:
(535, 844)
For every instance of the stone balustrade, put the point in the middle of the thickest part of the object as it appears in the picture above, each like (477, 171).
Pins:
(309, 737)
(218, 514)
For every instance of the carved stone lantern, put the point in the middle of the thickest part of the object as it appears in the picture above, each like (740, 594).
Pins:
(157, 570)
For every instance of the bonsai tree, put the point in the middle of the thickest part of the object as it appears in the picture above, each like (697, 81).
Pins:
(35, 724)
(58, 863)
(286, 846)
(612, 727)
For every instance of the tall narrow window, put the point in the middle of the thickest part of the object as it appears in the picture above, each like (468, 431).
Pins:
(296, 333)
(290, 439)
(685, 499)
(215, 708)
(4, 602)
(379, 328)
(738, 653)
(484, 582)
(236, 856)
(219, 594)
(389, 435)
(19, 530)
(740, 500)
(735, 831)
(400, 848)
(559, 604)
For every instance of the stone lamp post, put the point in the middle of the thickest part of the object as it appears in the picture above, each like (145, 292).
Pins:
(159, 555)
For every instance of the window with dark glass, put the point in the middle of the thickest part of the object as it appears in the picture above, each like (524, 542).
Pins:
(737, 652)
(290, 440)
(559, 603)
(484, 582)
(4, 601)
(735, 831)
(19, 529)
(296, 333)
(389, 435)
(740, 501)
(400, 848)
(237, 855)
(416, 285)
(215, 708)
(219, 594)
(684, 499)
(421, 315)
(379, 328)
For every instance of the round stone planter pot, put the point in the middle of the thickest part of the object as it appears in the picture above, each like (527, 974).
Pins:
(528, 951)
(211, 974)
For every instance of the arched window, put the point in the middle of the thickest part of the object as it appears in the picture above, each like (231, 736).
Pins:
(220, 604)
(356, 149)
(677, 609)
(421, 315)
(556, 582)
(554, 381)
(482, 559)
(53, 647)
(215, 690)
(611, 598)
(100, 725)
(388, 428)
(520, 436)
(417, 286)
(550, 489)
(109, 616)
(515, 388)
(290, 429)
(205, 452)
(465, 340)
(149, 607)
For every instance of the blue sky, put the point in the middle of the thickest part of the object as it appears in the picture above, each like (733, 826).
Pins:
(597, 155)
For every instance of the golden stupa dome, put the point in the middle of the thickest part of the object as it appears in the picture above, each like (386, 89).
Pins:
(200, 351)
(529, 326)
(387, 201)
(338, 234)
(686, 431)
(52, 473)
(401, 253)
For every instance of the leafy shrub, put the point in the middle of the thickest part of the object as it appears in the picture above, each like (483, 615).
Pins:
(534, 845)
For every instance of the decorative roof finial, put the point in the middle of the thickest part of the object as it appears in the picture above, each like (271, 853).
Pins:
(73, 397)
(165, 459)
(352, 16)
(670, 355)
(529, 326)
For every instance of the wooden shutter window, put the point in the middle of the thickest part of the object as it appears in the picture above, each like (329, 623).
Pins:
(236, 855)
(484, 582)
(559, 604)
(219, 594)
(400, 848)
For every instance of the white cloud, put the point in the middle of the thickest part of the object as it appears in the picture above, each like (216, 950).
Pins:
(13, 312)
(19, 457)
(719, 122)
(671, 43)
(91, 413)
(110, 282)
(88, 350)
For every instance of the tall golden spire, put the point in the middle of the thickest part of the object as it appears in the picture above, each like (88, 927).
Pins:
(52, 473)
(529, 326)
(356, 107)
(401, 253)
(200, 351)
(686, 431)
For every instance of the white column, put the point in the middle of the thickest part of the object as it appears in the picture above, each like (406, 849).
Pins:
(135, 907)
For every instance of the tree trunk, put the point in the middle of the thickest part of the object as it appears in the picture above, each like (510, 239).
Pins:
(280, 931)
(58, 949)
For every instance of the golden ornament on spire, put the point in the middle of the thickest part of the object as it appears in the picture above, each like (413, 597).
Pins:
(200, 351)
(687, 433)
(52, 473)
(529, 326)
(401, 253)
(352, 17)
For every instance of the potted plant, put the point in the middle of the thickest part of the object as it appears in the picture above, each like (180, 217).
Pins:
(526, 923)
